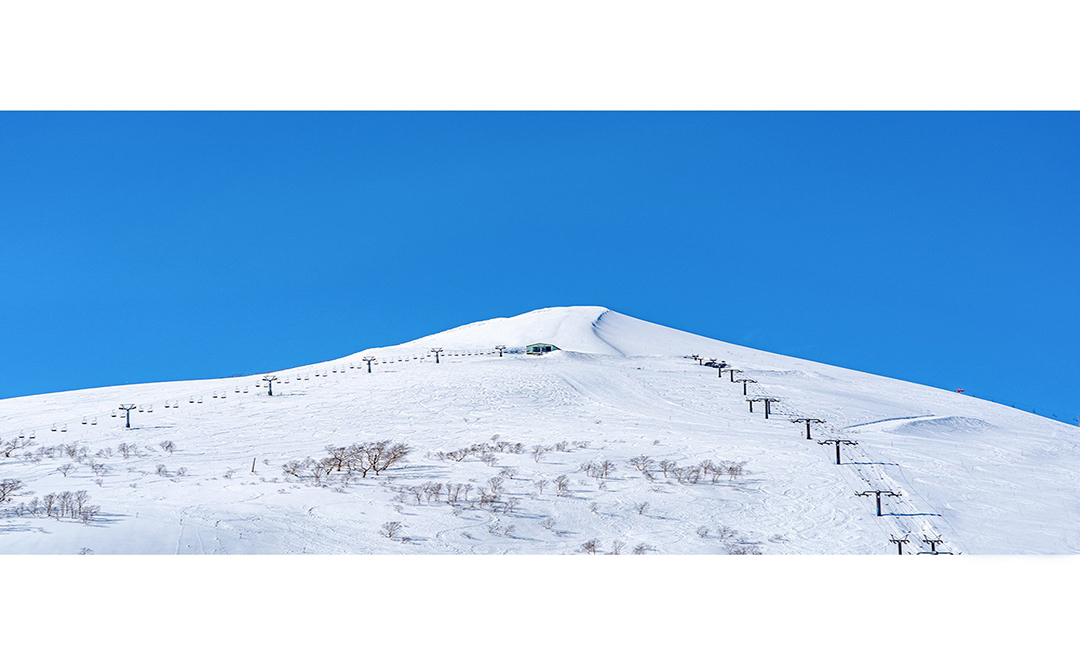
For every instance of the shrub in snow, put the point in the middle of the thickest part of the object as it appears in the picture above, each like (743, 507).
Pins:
(744, 549)
(8, 488)
(391, 529)
(562, 486)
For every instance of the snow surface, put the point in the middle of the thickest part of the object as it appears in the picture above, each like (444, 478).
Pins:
(984, 477)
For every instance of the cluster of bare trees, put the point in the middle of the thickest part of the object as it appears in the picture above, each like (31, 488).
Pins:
(744, 549)
(491, 496)
(483, 451)
(349, 460)
(128, 450)
(67, 504)
(162, 470)
(82, 455)
(601, 469)
(592, 547)
(704, 470)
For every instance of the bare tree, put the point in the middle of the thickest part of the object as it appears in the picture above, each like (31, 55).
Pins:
(48, 504)
(725, 533)
(641, 508)
(714, 471)
(89, 512)
(538, 452)
(643, 548)
(703, 532)
(80, 498)
(13, 445)
(590, 547)
(8, 489)
(65, 469)
(457, 456)
(548, 524)
(641, 463)
(167, 446)
(562, 486)
(380, 456)
(617, 546)
(735, 470)
(293, 468)
(391, 529)
(540, 486)
(666, 466)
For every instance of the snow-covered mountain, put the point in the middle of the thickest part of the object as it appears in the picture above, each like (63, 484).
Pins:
(621, 441)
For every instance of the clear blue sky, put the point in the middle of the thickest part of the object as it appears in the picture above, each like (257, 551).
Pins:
(940, 248)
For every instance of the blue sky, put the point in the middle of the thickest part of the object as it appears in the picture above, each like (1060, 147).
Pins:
(939, 248)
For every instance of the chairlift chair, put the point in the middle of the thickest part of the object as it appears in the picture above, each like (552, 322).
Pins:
(54, 425)
(93, 423)
(63, 428)
(83, 422)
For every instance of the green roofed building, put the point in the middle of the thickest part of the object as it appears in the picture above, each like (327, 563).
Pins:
(540, 348)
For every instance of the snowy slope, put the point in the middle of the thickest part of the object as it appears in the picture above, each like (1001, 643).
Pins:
(983, 477)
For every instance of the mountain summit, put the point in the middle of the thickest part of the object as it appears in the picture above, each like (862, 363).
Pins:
(586, 329)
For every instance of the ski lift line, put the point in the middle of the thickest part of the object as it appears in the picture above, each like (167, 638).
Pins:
(858, 472)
